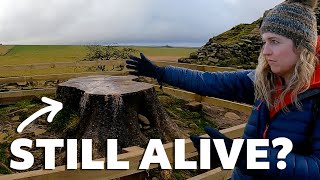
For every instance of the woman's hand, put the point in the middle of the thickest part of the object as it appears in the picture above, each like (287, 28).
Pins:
(144, 67)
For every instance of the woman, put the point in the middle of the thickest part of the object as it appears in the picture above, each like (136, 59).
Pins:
(284, 89)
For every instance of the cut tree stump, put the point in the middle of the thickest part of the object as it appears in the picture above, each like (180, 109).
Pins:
(110, 107)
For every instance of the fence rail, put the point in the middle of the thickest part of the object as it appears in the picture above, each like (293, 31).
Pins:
(13, 96)
(64, 76)
(197, 67)
(57, 65)
(78, 64)
(89, 64)
(133, 155)
(211, 100)
(109, 63)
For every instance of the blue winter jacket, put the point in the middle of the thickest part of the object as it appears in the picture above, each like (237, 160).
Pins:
(304, 160)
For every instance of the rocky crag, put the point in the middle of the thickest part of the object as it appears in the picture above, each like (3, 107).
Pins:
(238, 47)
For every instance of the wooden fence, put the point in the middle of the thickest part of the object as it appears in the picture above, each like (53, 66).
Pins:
(64, 76)
(57, 65)
(134, 158)
(79, 64)
(133, 154)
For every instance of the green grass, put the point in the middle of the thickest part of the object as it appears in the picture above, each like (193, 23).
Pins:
(42, 54)
(4, 159)
(34, 103)
(177, 107)
(236, 33)
(65, 122)
(19, 105)
(31, 54)
(24, 104)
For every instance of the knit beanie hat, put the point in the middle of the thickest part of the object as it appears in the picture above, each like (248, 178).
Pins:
(294, 19)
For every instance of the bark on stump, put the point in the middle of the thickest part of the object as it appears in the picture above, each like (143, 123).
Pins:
(110, 107)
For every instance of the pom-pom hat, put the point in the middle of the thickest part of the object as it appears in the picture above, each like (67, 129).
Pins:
(294, 19)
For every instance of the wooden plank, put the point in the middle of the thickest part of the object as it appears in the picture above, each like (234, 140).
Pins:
(184, 65)
(13, 100)
(79, 64)
(197, 67)
(58, 76)
(133, 157)
(234, 132)
(211, 100)
(109, 63)
(174, 92)
(14, 96)
(217, 174)
(228, 104)
(178, 93)
(132, 148)
(22, 93)
(219, 69)
(61, 172)
(60, 65)
(138, 175)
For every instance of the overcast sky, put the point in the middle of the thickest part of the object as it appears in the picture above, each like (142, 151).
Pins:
(134, 22)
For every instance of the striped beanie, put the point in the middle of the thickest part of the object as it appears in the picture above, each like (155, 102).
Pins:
(294, 19)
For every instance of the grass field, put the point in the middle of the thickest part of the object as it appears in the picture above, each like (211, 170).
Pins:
(31, 54)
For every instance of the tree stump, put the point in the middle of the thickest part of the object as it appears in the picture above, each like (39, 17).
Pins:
(116, 107)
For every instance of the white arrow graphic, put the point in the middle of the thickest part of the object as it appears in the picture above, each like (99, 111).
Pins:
(54, 107)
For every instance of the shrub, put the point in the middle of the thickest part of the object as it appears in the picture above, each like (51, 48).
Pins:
(98, 52)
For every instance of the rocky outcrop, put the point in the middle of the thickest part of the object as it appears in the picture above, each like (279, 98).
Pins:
(238, 47)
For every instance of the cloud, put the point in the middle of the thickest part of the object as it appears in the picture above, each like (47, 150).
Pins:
(123, 21)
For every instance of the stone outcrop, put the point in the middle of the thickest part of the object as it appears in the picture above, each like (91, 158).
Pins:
(238, 47)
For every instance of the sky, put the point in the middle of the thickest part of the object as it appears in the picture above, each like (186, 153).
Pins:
(124, 22)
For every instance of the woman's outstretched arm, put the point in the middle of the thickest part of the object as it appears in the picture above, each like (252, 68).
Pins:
(233, 86)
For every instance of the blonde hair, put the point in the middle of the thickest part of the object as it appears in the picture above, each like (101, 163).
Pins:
(265, 80)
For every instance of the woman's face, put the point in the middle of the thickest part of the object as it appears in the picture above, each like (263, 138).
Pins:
(280, 53)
